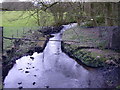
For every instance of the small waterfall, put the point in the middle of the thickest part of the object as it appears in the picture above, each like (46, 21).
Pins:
(50, 69)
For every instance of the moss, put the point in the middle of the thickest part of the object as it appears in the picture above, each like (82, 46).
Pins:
(86, 57)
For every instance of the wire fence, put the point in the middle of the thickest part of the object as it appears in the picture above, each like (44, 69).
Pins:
(21, 34)
(81, 36)
(15, 32)
(77, 36)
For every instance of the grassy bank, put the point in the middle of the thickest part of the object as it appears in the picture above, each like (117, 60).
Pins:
(92, 57)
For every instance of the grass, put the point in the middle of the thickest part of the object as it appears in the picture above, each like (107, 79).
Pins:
(16, 23)
(86, 37)
(16, 19)
(15, 32)
(24, 19)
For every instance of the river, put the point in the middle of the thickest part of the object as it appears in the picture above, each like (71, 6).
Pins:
(51, 69)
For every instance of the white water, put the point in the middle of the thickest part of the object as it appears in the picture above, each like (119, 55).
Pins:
(51, 68)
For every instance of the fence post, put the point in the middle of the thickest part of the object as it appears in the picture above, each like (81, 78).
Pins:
(119, 14)
(17, 32)
(1, 40)
(1, 53)
(12, 37)
(23, 30)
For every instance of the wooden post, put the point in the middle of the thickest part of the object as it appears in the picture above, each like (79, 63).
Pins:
(1, 40)
(12, 37)
(17, 33)
(119, 14)
(23, 30)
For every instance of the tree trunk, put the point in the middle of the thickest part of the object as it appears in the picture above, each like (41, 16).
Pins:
(60, 17)
(114, 13)
(93, 14)
(108, 11)
(55, 15)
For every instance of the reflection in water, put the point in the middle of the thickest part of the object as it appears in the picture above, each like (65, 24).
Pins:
(50, 69)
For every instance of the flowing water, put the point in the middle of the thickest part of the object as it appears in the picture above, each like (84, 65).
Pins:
(50, 69)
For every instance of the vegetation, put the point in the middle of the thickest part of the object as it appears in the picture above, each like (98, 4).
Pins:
(92, 57)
